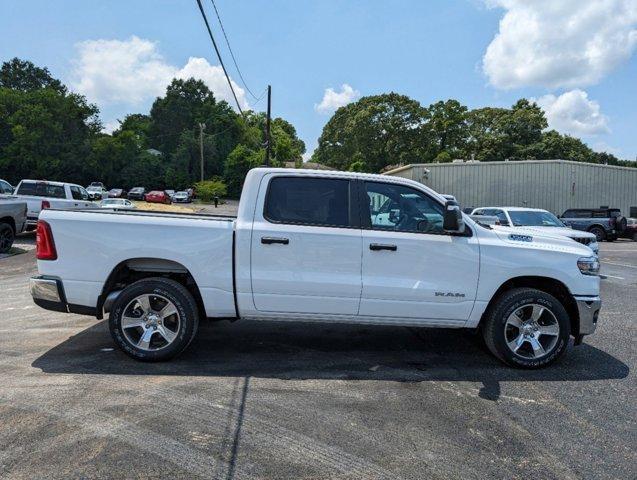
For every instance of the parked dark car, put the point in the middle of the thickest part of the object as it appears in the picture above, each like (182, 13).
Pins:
(158, 196)
(136, 193)
(117, 193)
(606, 223)
(631, 229)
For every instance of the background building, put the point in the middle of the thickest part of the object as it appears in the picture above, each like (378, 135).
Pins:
(554, 185)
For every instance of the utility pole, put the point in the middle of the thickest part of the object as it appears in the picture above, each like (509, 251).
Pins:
(268, 144)
(201, 129)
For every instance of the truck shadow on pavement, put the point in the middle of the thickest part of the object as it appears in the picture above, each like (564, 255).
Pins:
(299, 351)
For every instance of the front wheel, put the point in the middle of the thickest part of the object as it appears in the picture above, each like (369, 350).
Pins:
(599, 233)
(154, 319)
(527, 328)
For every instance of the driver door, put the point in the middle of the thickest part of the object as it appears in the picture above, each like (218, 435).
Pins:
(411, 268)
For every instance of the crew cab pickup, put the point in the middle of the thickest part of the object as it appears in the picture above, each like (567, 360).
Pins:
(309, 246)
(52, 195)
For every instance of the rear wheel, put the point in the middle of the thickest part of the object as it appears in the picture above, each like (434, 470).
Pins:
(527, 328)
(634, 237)
(7, 236)
(154, 319)
(599, 233)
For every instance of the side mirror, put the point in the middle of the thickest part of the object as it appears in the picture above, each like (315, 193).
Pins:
(452, 221)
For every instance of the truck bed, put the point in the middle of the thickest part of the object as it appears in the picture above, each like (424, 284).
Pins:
(92, 243)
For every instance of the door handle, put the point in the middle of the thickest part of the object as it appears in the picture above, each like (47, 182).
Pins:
(271, 240)
(382, 246)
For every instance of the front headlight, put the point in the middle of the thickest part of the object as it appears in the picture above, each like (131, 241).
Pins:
(588, 265)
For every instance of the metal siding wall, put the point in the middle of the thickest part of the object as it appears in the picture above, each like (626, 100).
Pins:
(538, 184)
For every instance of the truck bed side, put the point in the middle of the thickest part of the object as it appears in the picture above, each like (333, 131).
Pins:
(92, 245)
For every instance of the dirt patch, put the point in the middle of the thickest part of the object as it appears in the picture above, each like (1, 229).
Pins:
(160, 207)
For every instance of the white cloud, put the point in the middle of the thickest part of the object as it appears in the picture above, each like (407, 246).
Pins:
(333, 100)
(572, 112)
(133, 71)
(565, 43)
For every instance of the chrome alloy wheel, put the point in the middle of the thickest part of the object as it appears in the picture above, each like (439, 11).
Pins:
(150, 322)
(531, 331)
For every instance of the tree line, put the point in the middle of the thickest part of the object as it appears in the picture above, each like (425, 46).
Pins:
(48, 132)
(379, 132)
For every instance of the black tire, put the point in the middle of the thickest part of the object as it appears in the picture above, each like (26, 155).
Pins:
(634, 237)
(7, 236)
(620, 224)
(494, 326)
(171, 290)
(599, 233)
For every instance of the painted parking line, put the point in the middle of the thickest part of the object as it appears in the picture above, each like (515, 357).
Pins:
(611, 276)
(619, 264)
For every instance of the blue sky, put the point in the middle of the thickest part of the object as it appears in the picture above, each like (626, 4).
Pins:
(575, 57)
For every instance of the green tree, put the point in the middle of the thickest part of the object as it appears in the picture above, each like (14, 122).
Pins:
(24, 76)
(239, 162)
(381, 130)
(448, 127)
(45, 134)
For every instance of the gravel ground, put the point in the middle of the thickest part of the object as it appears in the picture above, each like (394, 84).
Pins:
(277, 400)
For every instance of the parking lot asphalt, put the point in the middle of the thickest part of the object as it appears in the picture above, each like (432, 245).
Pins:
(279, 400)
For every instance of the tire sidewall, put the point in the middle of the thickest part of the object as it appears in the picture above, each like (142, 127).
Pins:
(6, 229)
(510, 305)
(599, 233)
(187, 319)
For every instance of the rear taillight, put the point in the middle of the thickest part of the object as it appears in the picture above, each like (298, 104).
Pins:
(44, 244)
(45, 204)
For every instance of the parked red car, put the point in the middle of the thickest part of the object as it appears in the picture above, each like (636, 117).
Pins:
(157, 196)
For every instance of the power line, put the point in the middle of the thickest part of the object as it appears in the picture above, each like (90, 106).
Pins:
(245, 84)
(205, 19)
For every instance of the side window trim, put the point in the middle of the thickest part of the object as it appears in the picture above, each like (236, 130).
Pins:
(353, 206)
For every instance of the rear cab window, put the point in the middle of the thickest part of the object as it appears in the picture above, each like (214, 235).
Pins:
(312, 201)
(41, 189)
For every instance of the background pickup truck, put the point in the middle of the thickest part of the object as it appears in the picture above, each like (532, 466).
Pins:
(54, 194)
(604, 223)
(13, 215)
(310, 246)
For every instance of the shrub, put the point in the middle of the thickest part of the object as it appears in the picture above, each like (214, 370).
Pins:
(207, 189)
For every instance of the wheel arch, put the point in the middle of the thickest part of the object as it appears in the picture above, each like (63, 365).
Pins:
(596, 225)
(134, 269)
(545, 284)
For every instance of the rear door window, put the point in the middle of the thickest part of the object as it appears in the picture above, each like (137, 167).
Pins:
(308, 201)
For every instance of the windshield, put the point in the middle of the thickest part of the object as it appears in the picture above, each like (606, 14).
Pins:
(530, 218)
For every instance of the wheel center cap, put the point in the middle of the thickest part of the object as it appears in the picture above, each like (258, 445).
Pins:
(152, 320)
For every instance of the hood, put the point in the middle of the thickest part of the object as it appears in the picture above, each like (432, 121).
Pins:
(541, 239)
(553, 231)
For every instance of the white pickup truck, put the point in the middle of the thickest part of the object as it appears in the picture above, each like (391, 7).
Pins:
(304, 247)
(52, 195)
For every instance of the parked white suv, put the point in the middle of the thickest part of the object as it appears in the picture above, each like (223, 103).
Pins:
(307, 246)
(53, 195)
(537, 220)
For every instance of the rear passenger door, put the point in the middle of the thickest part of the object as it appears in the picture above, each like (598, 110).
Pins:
(306, 246)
